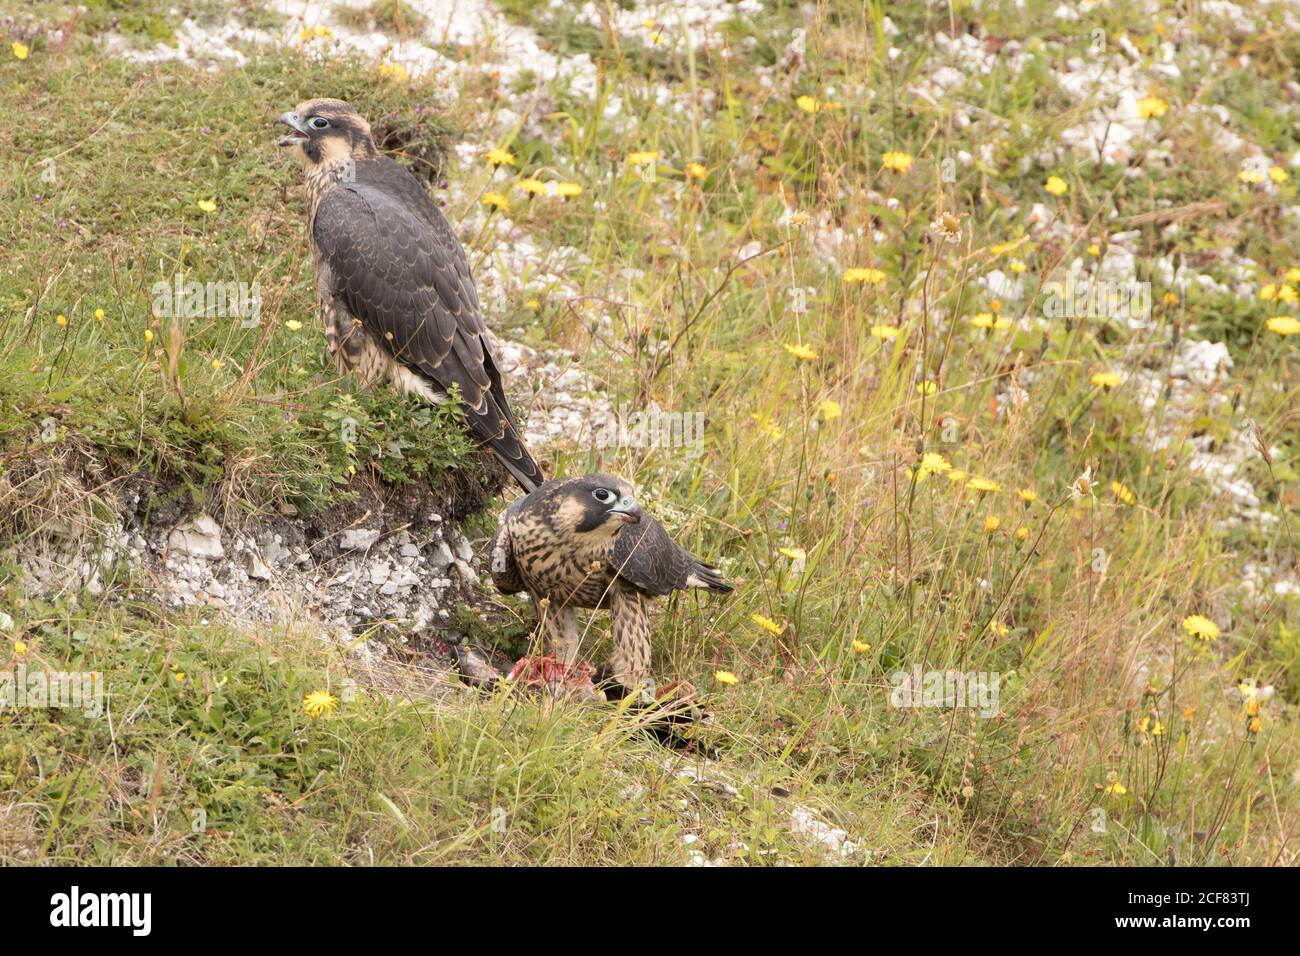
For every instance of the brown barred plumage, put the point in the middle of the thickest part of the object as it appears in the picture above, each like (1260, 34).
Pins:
(585, 543)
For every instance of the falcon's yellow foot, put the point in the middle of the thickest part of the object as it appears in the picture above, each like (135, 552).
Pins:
(558, 678)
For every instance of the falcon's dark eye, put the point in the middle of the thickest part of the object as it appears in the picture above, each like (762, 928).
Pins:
(603, 495)
(318, 122)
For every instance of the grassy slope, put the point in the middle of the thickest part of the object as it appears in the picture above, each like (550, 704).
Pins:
(907, 568)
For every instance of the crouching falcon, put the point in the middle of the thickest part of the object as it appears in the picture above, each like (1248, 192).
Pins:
(585, 543)
(394, 286)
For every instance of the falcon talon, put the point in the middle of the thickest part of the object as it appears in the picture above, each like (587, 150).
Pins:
(586, 543)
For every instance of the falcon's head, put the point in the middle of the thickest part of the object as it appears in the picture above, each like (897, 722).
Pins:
(594, 504)
(326, 131)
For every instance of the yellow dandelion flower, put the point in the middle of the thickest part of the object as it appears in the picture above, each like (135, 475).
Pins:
(767, 624)
(983, 485)
(293, 325)
(1251, 177)
(148, 335)
(869, 276)
(806, 103)
(1056, 186)
(179, 676)
(19, 50)
(20, 648)
(885, 332)
(567, 190)
(1293, 275)
(1152, 107)
(1022, 533)
(319, 703)
(998, 628)
(1157, 729)
(61, 320)
(1255, 725)
(394, 71)
(1105, 379)
(1027, 495)
(1170, 298)
(496, 201)
(500, 157)
(956, 476)
(992, 523)
(533, 187)
(208, 205)
(99, 315)
(644, 158)
(926, 388)
(794, 554)
(898, 162)
(216, 364)
(1287, 294)
(1200, 626)
(1113, 786)
(726, 678)
(828, 409)
(1189, 713)
(933, 463)
(696, 171)
(1122, 492)
(800, 351)
(1268, 292)
(1002, 248)
(1094, 250)
(1278, 174)
(1017, 266)
(982, 320)
(861, 647)
(1283, 325)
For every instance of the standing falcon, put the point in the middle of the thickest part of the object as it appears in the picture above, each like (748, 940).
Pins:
(585, 543)
(394, 286)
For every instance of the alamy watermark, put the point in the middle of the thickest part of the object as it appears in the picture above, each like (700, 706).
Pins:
(191, 299)
(978, 690)
(1097, 299)
(651, 428)
(65, 690)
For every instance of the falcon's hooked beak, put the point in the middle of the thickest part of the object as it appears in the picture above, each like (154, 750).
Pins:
(627, 509)
(294, 122)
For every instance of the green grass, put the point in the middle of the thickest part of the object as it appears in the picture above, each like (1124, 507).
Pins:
(208, 758)
(1081, 616)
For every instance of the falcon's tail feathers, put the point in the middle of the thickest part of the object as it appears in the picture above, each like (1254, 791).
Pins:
(494, 426)
(703, 576)
(514, 457)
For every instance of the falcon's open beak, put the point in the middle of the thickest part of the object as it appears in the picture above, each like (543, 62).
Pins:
(294, 122)
(627, 509)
